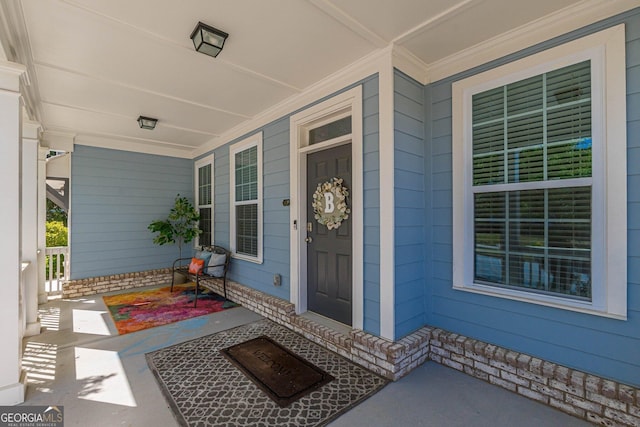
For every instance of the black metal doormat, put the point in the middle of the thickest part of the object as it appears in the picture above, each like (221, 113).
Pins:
(283, 375)
(203, 388)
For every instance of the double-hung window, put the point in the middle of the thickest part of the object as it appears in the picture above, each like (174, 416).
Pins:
(246, 199)
(539, 178)
(204, 199)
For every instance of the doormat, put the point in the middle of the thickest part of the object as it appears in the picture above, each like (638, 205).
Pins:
(283, 375)
(203, 388)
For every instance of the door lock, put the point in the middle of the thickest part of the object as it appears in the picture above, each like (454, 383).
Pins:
(309, 227)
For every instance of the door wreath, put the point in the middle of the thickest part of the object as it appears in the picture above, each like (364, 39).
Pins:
(330, 203)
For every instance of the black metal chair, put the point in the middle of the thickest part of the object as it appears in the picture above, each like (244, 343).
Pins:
(208, 273)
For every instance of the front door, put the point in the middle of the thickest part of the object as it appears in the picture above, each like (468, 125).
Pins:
(329, 260)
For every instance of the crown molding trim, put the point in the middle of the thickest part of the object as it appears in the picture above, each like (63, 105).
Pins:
(556, 24)
(15, 40)
(410, 64)
(122, 144)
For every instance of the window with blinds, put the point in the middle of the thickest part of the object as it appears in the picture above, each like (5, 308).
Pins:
(246, 197)
(204, 199)
(539, 177)
(532, 183)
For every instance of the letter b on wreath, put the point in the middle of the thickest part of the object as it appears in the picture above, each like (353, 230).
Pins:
(330, 203)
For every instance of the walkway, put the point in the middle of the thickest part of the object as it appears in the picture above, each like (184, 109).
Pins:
(102, 379)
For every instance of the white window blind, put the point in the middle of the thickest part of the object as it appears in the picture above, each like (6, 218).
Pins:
(531, 231)
(204, 199)
(246, 191)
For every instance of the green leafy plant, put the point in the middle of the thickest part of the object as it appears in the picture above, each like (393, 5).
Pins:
(57, 235)
(181, 226)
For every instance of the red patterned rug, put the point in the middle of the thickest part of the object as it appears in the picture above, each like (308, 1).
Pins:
(139, 310)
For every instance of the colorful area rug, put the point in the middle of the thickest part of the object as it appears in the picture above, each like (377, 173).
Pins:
(135, 311)
(204, 388)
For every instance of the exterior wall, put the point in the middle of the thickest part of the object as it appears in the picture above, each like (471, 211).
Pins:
(114, 196)
(601, 346)
(275, 146)
(409, 204)
(276, 228)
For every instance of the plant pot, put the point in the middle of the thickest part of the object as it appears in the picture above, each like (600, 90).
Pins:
(179, 278)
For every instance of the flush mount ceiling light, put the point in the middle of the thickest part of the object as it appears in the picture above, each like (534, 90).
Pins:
(208, 40)
(147, 122)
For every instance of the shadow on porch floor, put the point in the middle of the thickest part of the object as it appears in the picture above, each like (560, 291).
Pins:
(102, 379)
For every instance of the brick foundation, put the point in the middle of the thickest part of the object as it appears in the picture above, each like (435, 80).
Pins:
(389, 359)
(115, 282)
(586, 396)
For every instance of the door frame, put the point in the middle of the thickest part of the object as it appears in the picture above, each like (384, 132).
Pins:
(341, 105)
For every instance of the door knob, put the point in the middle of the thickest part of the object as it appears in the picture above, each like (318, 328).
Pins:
(308, 239)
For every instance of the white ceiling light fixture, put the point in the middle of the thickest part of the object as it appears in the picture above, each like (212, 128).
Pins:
(147, 122)
(208, 40)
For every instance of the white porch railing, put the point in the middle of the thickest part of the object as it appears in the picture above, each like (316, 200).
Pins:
(57, 259)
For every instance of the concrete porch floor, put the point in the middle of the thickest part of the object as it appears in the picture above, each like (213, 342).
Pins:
(102, 379)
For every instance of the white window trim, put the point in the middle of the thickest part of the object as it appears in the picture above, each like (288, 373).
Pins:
(198, 164)
(606, 50)
(253, 140)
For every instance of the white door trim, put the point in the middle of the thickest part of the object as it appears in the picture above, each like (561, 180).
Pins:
(348, 102)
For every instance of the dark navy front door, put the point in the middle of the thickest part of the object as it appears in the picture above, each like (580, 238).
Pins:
(329, 258)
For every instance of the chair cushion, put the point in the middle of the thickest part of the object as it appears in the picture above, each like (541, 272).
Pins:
(196, 266)
(216, 265)
(204, 255)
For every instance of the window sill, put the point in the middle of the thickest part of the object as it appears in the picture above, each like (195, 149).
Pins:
(545, 300)
(254, 260)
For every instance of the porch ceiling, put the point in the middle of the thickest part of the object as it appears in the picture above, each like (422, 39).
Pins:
(95, 65)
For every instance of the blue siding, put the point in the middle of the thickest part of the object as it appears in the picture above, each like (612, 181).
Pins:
(409, 193)
(276, 228)
(275, 185)
(114, 197)
(606, 347)
(222, 196)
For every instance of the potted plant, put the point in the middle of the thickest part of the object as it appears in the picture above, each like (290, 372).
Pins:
(181, 226)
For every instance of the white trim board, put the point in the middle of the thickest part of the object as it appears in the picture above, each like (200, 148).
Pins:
(387, 201)
(349, 101)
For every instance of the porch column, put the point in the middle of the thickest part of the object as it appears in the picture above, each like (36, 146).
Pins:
(42, 224)
(30, 224)
(12, 379)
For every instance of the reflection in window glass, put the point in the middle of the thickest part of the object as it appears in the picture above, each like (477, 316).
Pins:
(329, 131)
